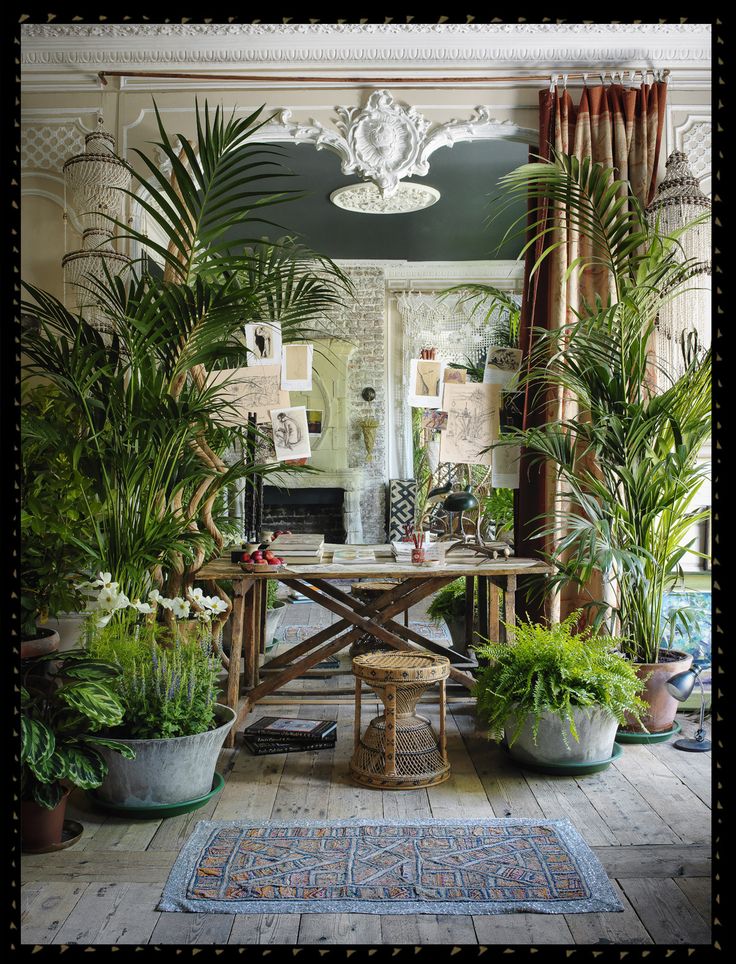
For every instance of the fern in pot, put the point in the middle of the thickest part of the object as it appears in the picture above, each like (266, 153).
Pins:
(557, 696)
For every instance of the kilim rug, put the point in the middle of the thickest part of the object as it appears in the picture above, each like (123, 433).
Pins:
(476, 866)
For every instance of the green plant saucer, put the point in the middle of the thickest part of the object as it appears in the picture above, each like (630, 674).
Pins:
(568, 769)
(156, 810)
(624, 736)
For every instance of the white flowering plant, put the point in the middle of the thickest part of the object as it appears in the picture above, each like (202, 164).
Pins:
(168, 679)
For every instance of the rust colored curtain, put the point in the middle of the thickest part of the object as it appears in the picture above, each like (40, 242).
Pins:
(621, 128)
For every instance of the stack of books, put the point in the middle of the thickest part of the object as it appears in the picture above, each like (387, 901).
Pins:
(299, 548)
(353, 555)
(277, 734)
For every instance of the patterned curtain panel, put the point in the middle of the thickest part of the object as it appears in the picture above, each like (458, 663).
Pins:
(619, 127)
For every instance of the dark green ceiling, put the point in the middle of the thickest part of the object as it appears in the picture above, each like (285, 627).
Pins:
(453, 229)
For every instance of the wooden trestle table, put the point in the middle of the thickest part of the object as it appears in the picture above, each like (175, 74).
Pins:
(496, 594)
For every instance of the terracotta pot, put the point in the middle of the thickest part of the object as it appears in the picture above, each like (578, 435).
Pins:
(662, 706)
(40, 827)
(47, 641)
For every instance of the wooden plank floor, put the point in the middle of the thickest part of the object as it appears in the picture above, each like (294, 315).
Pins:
(647, 818)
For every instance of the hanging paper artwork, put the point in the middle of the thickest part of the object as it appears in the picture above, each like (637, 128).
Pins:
(291, 433)
(296, 368)
(505, 467)
(433, 420)
(249, 390)
(425, 383)
(455, 376)
(502, 364)
(263, 341)
(472, 423)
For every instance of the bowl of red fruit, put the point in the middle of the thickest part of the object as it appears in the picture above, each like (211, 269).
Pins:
(260, 561)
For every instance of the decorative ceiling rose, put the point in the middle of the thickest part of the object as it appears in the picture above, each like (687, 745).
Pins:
(366, 198)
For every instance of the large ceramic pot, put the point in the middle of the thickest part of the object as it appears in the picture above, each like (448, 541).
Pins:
(69, 627)
(166, 771)
(46, 641)
(41, 827)
(595, 726)
(662, 706)
(273, 621)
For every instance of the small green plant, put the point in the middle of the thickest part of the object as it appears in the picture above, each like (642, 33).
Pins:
(551, 668)
(63, 711)
(272, 593)
(449, 602)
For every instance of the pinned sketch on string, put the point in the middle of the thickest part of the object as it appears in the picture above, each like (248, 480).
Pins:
(502, 365)
(296, 368)
(249, 390)
(263, 341)
(425, 383)
(472, 423)
(433, 420)
(291, 433)
(505, 467)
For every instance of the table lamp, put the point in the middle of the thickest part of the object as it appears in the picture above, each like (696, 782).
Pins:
(681, 686)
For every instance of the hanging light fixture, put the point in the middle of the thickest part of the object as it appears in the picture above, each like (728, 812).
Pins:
(677, 202)
(92, 183)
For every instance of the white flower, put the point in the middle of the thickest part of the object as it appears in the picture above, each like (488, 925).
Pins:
(203, 616)
(104, 581)
(103, 620)
(154, 596)
(110, 599)
(197, 594)
(180, 607)
(165, 603)
(218, 605)
(141, 606)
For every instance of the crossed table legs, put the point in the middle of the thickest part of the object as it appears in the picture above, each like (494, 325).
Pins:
(375, 617)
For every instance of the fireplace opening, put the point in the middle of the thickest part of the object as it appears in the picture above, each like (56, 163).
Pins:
(305, 510)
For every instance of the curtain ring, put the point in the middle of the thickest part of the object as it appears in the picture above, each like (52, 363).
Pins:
(585, 80)
(602, 75)
(553, 82)
(564, 81)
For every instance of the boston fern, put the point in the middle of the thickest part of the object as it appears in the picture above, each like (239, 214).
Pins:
(62, 712)
(554, 669)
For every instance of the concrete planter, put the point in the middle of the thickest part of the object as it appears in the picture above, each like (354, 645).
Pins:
(69, 627)
(166, 771)
(273, 621)
(596, 729)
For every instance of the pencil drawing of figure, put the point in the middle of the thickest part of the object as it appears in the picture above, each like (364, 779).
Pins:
(264, 345)
(288, 432)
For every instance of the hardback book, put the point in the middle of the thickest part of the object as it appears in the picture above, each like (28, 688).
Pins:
(353, 555)
(262, 747)
(298, 542)
(293, 729)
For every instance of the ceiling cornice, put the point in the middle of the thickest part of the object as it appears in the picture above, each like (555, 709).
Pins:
(292, 47)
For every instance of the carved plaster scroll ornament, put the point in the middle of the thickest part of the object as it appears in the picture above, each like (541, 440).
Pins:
(385, 141)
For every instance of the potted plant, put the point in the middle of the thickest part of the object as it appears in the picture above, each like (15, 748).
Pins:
(66, 701)
(627, 459)
(449, 604)
(557, 696)
(54, 490)
(167, 686)
(275, 609)
(155, 425)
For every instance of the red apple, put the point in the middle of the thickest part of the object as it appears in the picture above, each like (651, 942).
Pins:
(245, 557)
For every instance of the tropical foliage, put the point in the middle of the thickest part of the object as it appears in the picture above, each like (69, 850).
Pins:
(63, 711)
(628, 458)
(153, 435)
(449, 601)
(551, 668)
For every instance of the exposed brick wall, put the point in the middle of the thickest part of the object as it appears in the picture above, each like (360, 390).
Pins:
(362, 322)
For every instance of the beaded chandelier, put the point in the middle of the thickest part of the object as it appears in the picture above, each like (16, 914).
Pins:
(677, 202)
(92, 184)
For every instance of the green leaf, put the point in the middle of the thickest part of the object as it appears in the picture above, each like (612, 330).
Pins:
(93, 700)
(84, 768)
(51, 769)
(48, 795)
(126, 751)
(37, 741)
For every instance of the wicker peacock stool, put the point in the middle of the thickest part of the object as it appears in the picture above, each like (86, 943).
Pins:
(399, 748)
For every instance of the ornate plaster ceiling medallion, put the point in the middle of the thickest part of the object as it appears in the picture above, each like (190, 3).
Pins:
(366, 198)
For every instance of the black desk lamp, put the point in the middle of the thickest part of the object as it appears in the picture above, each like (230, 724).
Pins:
(681, 686)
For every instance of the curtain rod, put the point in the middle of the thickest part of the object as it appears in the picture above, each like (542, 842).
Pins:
(550, 78)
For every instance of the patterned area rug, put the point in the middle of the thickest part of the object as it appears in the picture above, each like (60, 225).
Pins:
(388, 867)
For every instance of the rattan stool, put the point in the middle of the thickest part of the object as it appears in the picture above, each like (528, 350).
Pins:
(399, 748)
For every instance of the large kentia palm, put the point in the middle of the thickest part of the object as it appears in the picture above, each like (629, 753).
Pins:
(628, 460)
(153, 435)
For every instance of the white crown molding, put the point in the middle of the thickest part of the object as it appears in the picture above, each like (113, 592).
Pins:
(301, 47)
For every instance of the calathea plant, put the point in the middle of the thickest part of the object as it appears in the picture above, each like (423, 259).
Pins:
(63, 711)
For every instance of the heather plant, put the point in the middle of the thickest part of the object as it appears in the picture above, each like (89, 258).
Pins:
(551, 668)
